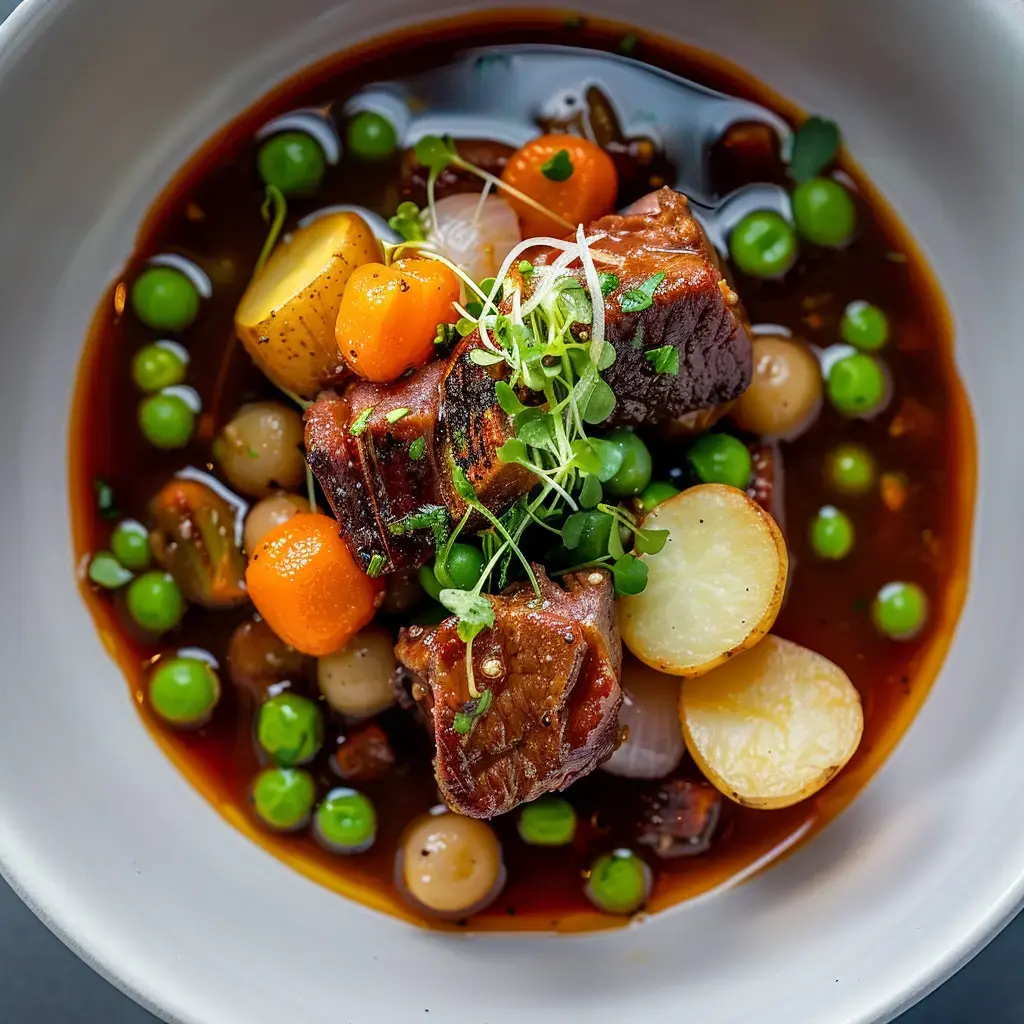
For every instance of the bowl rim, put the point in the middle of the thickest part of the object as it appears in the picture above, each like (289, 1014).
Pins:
(24, 26)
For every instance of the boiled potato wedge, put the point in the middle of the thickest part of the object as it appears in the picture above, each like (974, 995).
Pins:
(772, 726)
(714, 589)
(287, 315)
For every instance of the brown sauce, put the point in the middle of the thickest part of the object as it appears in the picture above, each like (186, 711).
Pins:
(210, 214)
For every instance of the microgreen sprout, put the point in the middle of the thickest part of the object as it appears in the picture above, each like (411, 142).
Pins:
(274, 211)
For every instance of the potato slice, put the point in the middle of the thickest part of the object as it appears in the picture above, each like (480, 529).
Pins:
(714, 589)
(772, 726)
(287, 315)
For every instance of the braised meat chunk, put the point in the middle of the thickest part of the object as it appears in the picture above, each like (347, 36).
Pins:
(384, 455)
(551, 665)
(372, 449)
(692, 310)
(679, 817)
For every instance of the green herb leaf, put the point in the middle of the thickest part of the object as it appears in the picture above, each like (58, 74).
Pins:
(107, 572)
(513, 450)
(649, 542)
(377, 563)
(474, 612)
(487, 285)
(607, 355)
(475, 309)
(463, 488)
(638, 299)
(585, 458)
(408, 222)
(105, 499)
(471, 711)
(610, 456)
(434, 152)
(815, 144)
(483, 704)
(525, 268)
(600, 403)
(630, 575)
(446, 334)
(485, 357)
(535, 428)
(572, 529)
(591, 492)
(609, 282)
(507, 399)
(417, 449)
(465, 327)
(430, 517)
(559, 167)
(360, 423)
(615, 548)
(396, 414)
(576, 302)
(664, 359)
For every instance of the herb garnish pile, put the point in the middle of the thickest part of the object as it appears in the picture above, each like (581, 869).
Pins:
(544, 325)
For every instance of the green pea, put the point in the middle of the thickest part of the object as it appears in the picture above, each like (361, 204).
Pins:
(283, 798)
(290, 729)
(655, 493)
(346, 822)
(721, 459)
(106, 571)
(155, 601)
(130, 544)
(184, 691)
(166, 420)
(371, 136)
(850, 469)
(856, 385)
(900, 610)
(429, 582)
(831, 533)
(549, 821)
(763, 244)
(463, 568)
(595, 530)
(619, 882)
(824, 212)
(165, 299)
(292, 162)
(635, 472)
(158, 366)
(864, 326)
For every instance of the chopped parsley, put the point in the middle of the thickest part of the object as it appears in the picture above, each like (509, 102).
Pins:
(360, 423)
(664, 359)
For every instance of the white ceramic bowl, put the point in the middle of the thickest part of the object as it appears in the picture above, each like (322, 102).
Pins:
(100, 101)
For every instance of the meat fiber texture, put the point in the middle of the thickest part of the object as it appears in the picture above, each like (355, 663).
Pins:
(552, 663)
(693, 310)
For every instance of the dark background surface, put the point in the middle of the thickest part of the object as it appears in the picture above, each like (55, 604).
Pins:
(41, 981)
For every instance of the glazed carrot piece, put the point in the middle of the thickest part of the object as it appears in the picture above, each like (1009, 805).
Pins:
(389, 316)
(570, 176)
(306, 584)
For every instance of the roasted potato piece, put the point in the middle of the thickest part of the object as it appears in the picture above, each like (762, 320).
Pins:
(714, 589)
(772, 726)
(287, 315)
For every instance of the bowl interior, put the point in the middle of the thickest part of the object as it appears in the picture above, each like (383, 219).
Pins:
(137, 873)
